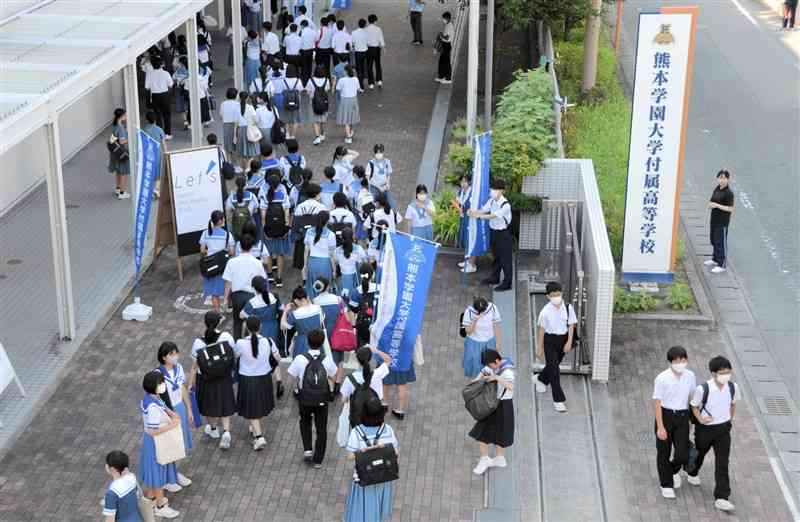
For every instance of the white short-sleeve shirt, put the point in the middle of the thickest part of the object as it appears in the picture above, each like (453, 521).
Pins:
(501, 209)
(349, 265)
(340, 41)
(484, 327)
(376, 383)
(230, 111)
(418, 216)
(674, 391)
(298, 366)
(322, 248)
(292, 42)
(250, 366)
(348, 87)
(343, 215)
(718, 404)
(219, 239)
(175, 379)
(241, 270)
(199, 344)
(554, 320)
(271, 43)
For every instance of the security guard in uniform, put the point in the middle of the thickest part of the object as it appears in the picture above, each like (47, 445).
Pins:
(498, 211)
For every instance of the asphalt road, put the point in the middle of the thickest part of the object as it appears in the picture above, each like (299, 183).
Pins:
(745, 117)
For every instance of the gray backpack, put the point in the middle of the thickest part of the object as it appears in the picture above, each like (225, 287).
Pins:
(480, 399)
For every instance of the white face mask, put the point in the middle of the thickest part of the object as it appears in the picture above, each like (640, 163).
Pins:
(162, 388)
(724, 378)
(679, 367)
(556, 300)
(494, 193)
(422, 197)
(173, 359)
(379, 156)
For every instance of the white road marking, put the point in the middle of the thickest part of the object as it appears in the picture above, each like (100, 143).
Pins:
(787, 494)
(746, 14)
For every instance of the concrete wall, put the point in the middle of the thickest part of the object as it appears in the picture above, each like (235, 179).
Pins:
(23, 167)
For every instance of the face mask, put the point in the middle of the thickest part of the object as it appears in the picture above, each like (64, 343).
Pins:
(494, 193)
(173, 359)
(162, 388)
(379, 156)
(422, 197)
(723, 379)
(678, 367)
(556, 300)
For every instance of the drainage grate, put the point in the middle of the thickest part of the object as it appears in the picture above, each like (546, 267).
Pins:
(14, 262)
(72, 206)
(777, 405)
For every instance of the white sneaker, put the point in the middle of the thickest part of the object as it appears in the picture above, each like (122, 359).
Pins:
(498, 462)
(446, 82)
(211, 432)
(718, 270)
(259, 443)
(225, 441)
(168, 137)
(694, 481)
(676, 481)
(380, 84)
(308, 455)
(172, 488)
(482, 466)
(321, 137)
(461, 264)
(439, 80)
(117, 191)
(723, 505)
(560, 407)
(540, 386)
(184, 481)
(348, 140)
(316, 141)
(471, 269)
(208, 301)
(166, 512)
(710, 262)
(667, 492)
(371, 86)
(124, 195)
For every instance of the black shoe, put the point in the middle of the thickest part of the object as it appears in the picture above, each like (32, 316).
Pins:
(489, 281)
(399, 414)
(274, 265)
(502, 288)
(331, 396)
(278, 282)
(279, 392)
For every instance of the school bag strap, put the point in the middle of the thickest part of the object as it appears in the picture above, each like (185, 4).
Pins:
(364, 437)
(731, 390)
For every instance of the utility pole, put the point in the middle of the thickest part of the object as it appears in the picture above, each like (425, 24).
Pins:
(489, 71)
(472, 67)
(591, 44)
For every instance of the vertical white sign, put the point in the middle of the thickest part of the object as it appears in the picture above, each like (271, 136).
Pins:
(196, 187)
(660, 99)
(7, 373)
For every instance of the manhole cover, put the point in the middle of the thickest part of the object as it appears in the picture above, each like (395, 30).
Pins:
(14, 262)
(72, 206)
(777, 405)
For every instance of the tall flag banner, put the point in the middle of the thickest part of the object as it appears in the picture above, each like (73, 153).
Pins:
(148, 168)
(406, 271)
(478, 229)
(662, 81)
(341, 4)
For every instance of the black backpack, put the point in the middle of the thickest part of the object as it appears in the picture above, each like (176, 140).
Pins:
(275, 225)
(291, 97)
(337, 227)
(278, 131)
(320, 103)
(295, 172)
(362, 393)
(364, 319)
(461, 330)
(315, 390)
(376, 464)
(216, 361)
(731, 389)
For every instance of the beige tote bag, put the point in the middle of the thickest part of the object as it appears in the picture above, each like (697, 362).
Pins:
(169, 446)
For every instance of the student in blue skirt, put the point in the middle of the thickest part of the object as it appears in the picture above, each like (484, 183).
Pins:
(213, 240)
(379, 174)
(320, 244)
(179, 402)
(157, 419)
(348, 257)
(268, 308)
(276, 231)
(242, 206)
(246, 149)
(360, 301)
(121, 503)
(370, 503)
(304, 316)
(464, 194)
(420, 214)
(482, 323)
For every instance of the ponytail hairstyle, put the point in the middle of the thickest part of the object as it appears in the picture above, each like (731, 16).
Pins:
(118, 113)
(243, 97)
(273, 181)
(339, 153)
(341, 201)
(365, 273)
(347, 242)
(359, 171)
(262, 73)
(299, 294)
(212, 320)
(253, 325)
(240, 183)
(322, 222)
(255, 168)
(217, 217)
(260, 285)
(383, 202)
(329, 172)
(364, 355)
(321, 285)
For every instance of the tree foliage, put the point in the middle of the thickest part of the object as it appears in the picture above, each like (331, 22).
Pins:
(562, 14)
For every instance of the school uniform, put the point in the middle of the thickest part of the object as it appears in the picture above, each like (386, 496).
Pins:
(249, 200)
(255, 398)
(239, 272)
(214, 397)
(122, 499)
(341, 43)
(278, 246)
(219, 239)
(343, 215)
(268, 313)
(463, 223)
(252, 60)
(229, 113)
(498, 428)
(324, 49)
(308, 40)
(292, 44)
(556, 322)
(266, 119)
(332, 305)
(309, 207)
(319, 414)
(116, 166)
(445, 51)
(360, 47)
(347, 112)
(294, 158)
(176, 380)
(303, 320)
(275, 88)
(673, 391)
(369, 503)
(357, 301)
(293, 84)
(259, 250)
(244, 147)
(421, 219)
(379, 174)
(392, 219)
(376, 382)
(180, 76)
(375, 44)
(152, 474)
(718, 225)
(480, 340)
(270, 44)
(715, 435)
(159, 82)
(363, 197)
(344, 172)
(501, 241)
(319, 257)
(253, 19)
(329, 188)
(416, 7)
(348, 267)
(314, 84)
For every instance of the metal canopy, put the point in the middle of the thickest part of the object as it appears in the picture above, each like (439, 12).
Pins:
(53, 52)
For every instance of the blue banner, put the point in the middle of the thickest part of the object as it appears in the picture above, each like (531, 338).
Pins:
(478, 229)
(148, 168)
(406, 271)
(341, 4)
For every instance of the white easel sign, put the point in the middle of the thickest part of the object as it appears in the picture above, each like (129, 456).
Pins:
(7, 373)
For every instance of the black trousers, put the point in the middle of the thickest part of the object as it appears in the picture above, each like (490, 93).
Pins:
(676, 425)
(162, 105)
(238, 301)
(415, 17)
(717, 437)
(792, 5)
(292, 59)
(340, 57)
(502, 250)
(553, 354)
(445, 67)
(323, 59)
(306, 64)
(719, 242)
(374, 68)
(361, 67)
(319, 415)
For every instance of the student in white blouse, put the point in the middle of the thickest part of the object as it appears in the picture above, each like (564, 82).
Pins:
(347, 112)
(481, 324)
(366, 373)
(420, 214)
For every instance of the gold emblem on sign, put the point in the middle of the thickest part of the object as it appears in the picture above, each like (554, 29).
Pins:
(664, 36)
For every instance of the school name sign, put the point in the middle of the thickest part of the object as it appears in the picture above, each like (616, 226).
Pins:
(662, 82)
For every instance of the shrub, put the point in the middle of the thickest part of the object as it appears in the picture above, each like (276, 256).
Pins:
(632, 302)
(679, 297)
(446, 220)
(569, 70)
